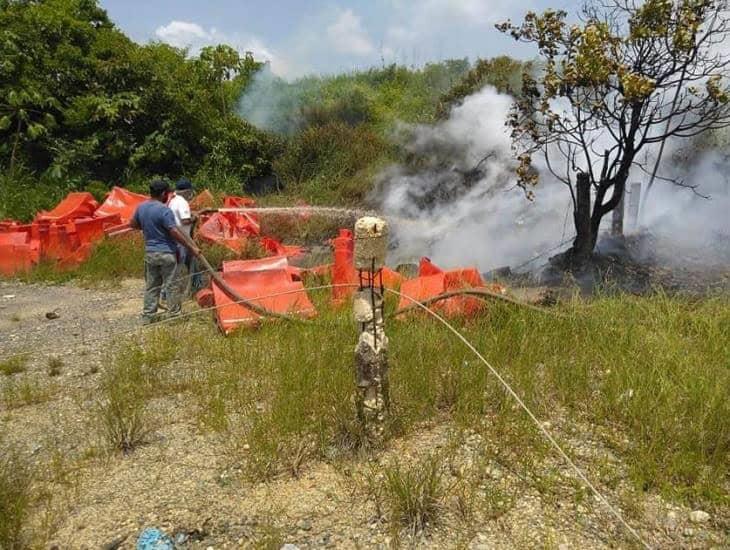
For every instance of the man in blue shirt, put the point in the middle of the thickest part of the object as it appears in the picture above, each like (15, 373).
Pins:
(161, 236)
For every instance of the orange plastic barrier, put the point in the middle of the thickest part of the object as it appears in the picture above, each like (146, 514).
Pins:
(426, 267)
(433, 281)
(277, 249)
(18, 252)
(121, 202)
(205, 298)
(343, 269)
(252, 281)
(89, 230)
(230, 201)
(263, 264)
(230, 229)
(75, 205)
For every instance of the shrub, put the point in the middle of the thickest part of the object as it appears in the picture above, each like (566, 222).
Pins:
(350, 107)
(329, 153)
(22, 196)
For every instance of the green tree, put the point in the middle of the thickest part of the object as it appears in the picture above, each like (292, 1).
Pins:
(225, 69)
(627, 79)
(503, 72)
(26, 114)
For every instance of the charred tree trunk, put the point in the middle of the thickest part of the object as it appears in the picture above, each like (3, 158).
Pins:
(588, 220)
(584, 241)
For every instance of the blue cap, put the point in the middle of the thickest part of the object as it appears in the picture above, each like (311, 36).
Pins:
(183, 184)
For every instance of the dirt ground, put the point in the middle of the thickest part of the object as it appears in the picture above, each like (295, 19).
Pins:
(184, 482)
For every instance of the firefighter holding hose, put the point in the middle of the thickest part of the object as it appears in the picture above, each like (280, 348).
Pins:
(161, 238)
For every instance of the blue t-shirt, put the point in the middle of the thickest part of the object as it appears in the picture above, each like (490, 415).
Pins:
(155, 219)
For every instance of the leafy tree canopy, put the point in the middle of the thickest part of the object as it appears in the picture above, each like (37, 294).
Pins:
(629, 77)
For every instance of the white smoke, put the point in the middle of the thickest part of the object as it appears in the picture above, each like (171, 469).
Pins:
(487, 221)
(691, 226)
(271, 103)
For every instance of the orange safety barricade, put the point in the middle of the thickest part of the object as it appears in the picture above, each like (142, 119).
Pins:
(262, 264)
(344, 272)
(258, 286)
(89, 230)
(75, 205)
(120, 202)
(229, 229)
(18, 252)
(205, 298)
(277, 249)
(433, 281)
(343, 269)
(230, 201)
(426, 267)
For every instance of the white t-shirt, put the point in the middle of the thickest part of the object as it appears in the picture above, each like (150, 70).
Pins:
(181, 209)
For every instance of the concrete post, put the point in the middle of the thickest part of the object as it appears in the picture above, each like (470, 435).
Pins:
(371, 359)
(634, 201)
(617, 219)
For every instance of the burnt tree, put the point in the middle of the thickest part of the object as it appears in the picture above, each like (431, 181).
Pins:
(624, 80)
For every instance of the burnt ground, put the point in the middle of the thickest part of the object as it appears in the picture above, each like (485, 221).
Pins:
(184, 482)
(638, 264)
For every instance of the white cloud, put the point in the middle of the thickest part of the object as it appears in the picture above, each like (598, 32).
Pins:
(437, 24)
(348, 36)
(184, 34)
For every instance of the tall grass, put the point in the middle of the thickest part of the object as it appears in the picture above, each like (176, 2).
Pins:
(654, 370)
(111, 260)
(16, 476)
(122, 413)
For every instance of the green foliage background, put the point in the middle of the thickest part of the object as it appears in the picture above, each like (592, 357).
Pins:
(83, 106)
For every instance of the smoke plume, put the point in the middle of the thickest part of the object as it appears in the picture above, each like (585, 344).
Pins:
(273, 104)
(460, 204)
(457, 202)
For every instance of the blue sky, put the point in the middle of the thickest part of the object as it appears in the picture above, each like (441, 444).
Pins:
(301, 37)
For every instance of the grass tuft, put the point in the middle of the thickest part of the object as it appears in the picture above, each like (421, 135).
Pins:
(14, 365)
(413, 494)
(55, 364)
(16, 476)
(122, 412)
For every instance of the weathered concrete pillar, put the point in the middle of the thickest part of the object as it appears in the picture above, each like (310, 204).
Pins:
(617, 219)
(634, 201)
(371, 352)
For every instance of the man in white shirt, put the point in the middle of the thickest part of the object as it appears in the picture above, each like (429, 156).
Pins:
(181, 207)
(184, 220)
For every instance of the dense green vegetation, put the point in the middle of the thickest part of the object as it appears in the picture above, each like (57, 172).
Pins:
(84, 107)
